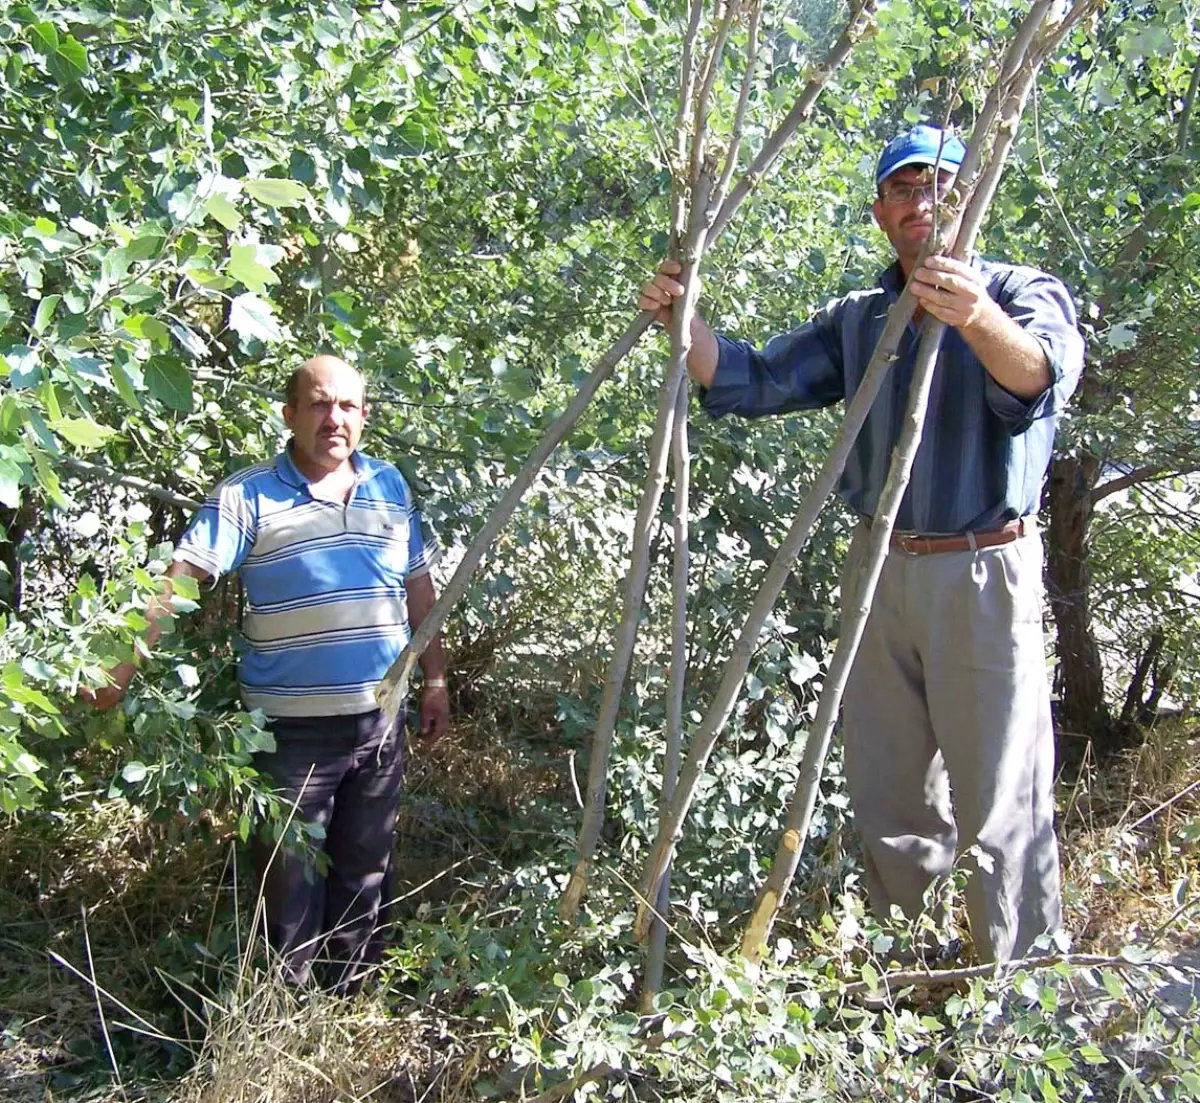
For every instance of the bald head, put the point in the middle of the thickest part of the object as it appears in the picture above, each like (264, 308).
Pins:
(325, 409)
(321, 370)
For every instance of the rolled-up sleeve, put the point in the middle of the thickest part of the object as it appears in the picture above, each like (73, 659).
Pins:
(1041, 306)
(800, 370)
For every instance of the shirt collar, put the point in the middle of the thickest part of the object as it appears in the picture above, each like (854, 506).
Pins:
(892, 280)
(285, 467)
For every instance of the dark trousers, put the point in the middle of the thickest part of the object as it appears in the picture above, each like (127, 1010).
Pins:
(344, 773)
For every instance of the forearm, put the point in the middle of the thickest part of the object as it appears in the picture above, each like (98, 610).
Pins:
(704, 353)
(160, 611)
(421, 598)
(1012, 357)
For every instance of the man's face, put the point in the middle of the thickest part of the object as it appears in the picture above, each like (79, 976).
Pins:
(328, 416)
(904, 210)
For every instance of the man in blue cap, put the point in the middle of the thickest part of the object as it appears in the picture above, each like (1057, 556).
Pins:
(947, 726)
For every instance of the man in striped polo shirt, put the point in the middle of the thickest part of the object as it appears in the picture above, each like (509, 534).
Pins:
(335, 566)
(946, 722)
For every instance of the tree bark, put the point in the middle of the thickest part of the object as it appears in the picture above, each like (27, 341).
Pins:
(1081, 709)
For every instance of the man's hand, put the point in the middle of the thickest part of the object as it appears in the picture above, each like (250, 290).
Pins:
(158, 612)
(435, 713)
(111, 695)
(659, 293)
(953, 292)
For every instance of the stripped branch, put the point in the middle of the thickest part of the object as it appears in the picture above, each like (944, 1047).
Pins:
(907, 978)
(860, 20)
(639, 566)
(115, 478)
(673, 740)
(739, 115)
(704, 214)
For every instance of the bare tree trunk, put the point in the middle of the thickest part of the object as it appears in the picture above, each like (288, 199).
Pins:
(392, 690)
(1135, 695)
(705, 215)
(673, 742)
(1081, 709)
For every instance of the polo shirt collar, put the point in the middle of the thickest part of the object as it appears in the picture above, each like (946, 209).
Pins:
(286, 469)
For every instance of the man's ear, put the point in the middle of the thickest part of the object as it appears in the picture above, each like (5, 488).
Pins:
(366, 410)
(876, 207)
(289, 416)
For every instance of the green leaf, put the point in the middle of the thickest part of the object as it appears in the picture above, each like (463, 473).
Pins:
(134, 772)
(489, 61)
(24, 367)
(243, 265)
(82, 432)
(74, 56)
(186, 587)
(277, 193)
(327, 32)
(10, 483)
(870, 975)
(45, 313)
(223, 211)
(6, 312)
(45, 37)
(143, 325)
(170, 382)
(128, 379)
(253, 318)
(48, 480)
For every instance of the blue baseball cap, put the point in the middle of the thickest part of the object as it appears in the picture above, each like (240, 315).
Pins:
(920, 147)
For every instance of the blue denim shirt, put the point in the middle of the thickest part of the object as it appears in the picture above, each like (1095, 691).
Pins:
(984, 452)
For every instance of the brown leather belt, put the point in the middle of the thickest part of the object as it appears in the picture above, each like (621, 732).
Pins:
(913, 544)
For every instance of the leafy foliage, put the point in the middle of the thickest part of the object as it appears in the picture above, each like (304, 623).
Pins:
(460, 199)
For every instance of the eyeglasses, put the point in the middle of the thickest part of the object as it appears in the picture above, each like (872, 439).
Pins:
(906, 193)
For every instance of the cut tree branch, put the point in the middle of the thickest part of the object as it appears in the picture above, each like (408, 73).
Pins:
(394, 685)
(115, 478)
(703, 215)
(1152, 472)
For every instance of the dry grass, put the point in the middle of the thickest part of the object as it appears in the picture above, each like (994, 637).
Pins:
(158, 916)
(1133, 876)
(272, 1045)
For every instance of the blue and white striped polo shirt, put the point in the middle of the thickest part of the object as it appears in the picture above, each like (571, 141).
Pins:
(324, 581)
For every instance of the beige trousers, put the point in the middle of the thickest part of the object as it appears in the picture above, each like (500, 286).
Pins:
(949, 741)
